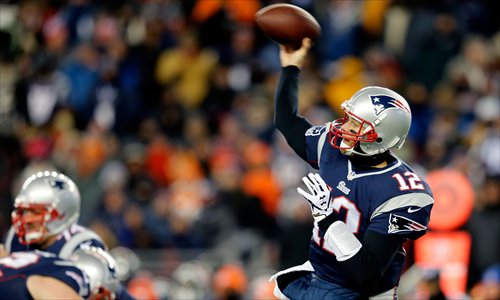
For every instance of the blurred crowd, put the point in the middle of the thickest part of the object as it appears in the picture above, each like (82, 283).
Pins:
(162, 112)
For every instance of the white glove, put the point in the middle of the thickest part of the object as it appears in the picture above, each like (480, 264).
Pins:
(319, 197)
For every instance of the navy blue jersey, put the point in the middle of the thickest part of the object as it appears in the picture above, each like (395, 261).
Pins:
(392, 200)
(17, 267)
(67, 241)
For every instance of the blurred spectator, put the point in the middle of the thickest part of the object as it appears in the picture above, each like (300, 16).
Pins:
(432, 38)
(489, 285)
(340, 26)
(429, 286)
(188, 68)
(42, 92)
(484, 228)
(259, 180)
(140, 186)
(156, 219)
(191, 280)
(111, 213)
(83, 75)
(229, 282)
(26, 34)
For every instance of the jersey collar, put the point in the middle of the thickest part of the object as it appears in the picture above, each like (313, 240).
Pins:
(354, 174)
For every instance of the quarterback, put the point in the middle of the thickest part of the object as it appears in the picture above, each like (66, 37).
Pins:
(365, 201)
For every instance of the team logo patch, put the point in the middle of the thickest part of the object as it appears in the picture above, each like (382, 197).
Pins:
(383, 102)
(316, 130)
(399, 223)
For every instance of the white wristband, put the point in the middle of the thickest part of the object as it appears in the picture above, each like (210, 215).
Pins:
(341, 241)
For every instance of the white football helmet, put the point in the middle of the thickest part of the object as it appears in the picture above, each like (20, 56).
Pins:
(48, 203)
(100, 267)
(385, 119)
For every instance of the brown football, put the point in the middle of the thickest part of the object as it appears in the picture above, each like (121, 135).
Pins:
(287, 24)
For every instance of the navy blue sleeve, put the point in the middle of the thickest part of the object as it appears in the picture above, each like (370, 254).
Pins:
(286, 117)
(408, 222)
(371, 262)
(17, 267)
(94, 243)
(66, 272)
(315, 140)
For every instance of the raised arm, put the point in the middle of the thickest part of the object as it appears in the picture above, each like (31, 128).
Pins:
(286, 117)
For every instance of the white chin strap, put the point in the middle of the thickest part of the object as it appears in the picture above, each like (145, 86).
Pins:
(351, 150)
(33, 236)
(345, 151)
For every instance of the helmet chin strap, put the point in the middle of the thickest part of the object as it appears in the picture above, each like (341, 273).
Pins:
(345, 148)
(33, 237)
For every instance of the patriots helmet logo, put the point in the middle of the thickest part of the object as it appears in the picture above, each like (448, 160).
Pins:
(383, 102)
(399, 223)
(57, 184)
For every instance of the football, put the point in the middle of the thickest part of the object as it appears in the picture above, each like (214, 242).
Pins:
(287, 24)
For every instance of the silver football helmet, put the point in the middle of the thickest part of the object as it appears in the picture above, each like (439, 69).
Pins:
(100, 267)
(385, 119)
(47, 204)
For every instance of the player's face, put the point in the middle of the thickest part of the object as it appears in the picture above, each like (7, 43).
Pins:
(32, 217)
(350, 126)
(30, 223)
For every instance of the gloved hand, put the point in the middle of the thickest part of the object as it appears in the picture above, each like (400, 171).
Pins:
(319, 196)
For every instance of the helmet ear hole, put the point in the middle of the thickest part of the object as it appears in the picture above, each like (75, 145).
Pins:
(378, 140)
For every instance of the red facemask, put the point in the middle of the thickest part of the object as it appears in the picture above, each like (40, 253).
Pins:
(365, 134)
(30, 223)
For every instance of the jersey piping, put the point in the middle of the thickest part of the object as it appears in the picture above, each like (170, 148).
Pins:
(351, 175)
(412, 199)
(76, 240)
(321, 143)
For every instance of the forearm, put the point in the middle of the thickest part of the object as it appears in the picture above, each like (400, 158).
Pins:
(43, 287)
(371, 262)
(365, 262)
(286, 117)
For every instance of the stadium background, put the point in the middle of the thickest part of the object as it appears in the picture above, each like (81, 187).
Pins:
(161, 111)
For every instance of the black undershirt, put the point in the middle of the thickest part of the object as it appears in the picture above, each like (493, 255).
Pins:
(371, 262)
(286, 117)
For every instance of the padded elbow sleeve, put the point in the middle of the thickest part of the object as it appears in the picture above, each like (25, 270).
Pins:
(341, 241)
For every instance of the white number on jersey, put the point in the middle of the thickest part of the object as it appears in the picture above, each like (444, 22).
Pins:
(19, 260)
(352, 216)
(412, 184)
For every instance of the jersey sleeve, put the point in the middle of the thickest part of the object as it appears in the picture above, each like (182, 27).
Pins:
(315, 140)
(72, 276)
(49, 265)
(408, 220)
(98, 243)
(12, 243)
(85, 237)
